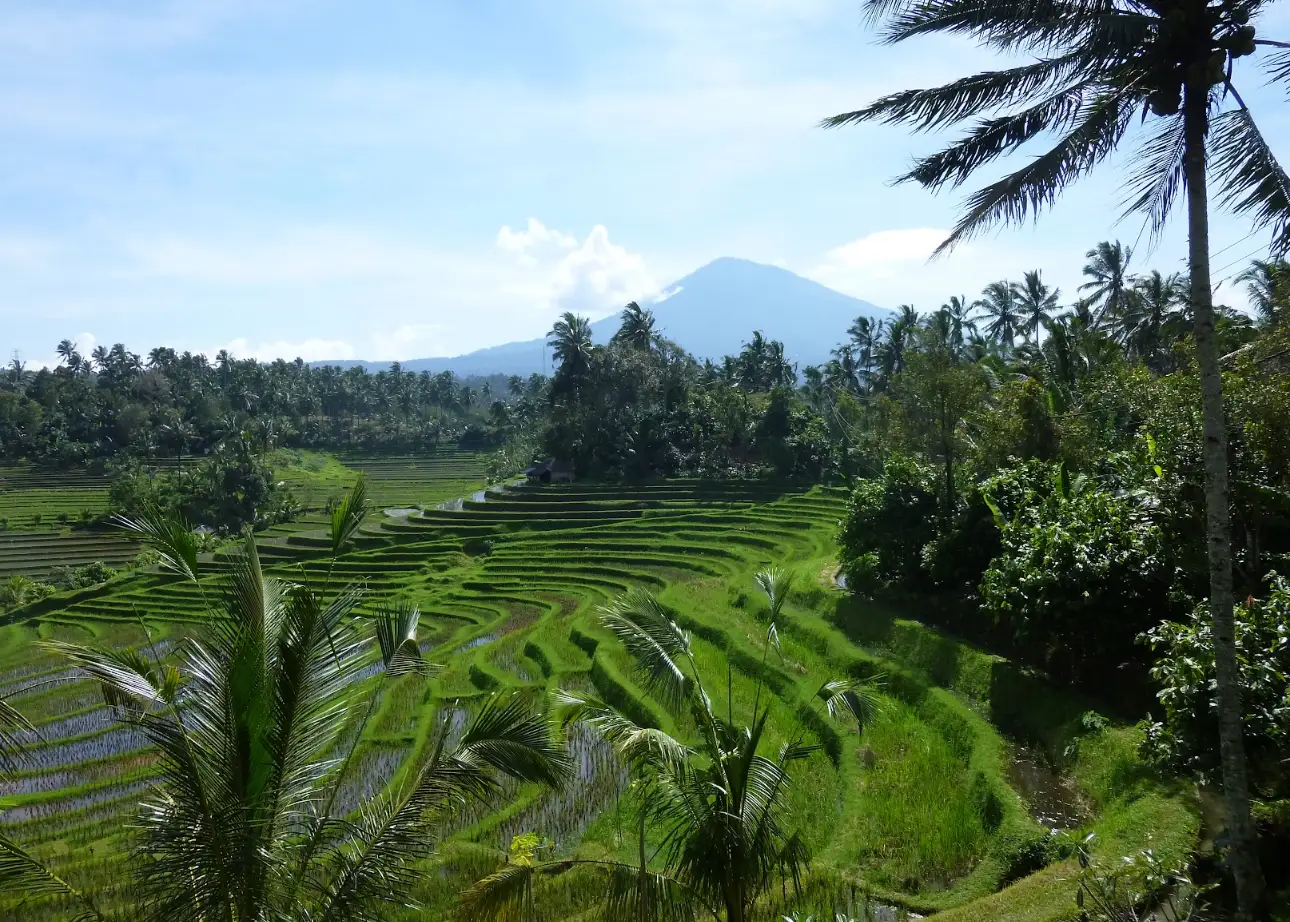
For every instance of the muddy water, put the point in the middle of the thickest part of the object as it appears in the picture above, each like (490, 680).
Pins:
(1054, 801)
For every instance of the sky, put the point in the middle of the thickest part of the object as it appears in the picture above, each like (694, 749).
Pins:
(396, 179)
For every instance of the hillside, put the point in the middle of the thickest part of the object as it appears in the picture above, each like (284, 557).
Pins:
(710, 312)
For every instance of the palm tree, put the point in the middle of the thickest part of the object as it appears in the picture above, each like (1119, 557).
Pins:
(570, 341)
(1001, 311)
(958, 313)
(1268, 286)
(1097, 69)
(1150, 314)
(244, 821)
(637, 328)
(1107, 271)
(718, 805)
(1037, 302)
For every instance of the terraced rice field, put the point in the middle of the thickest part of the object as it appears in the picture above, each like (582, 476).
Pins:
(36, 553)
(34, 498)
(917, 812)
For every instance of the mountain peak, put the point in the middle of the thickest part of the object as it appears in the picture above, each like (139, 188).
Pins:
(711, 312)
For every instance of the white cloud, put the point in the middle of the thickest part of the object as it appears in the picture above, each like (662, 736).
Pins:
(594, 277)
(409, 341)
(879, 255)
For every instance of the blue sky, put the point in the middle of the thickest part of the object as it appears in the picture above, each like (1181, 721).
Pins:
(400, 179)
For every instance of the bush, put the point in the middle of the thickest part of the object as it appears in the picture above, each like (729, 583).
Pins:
(1184, 740)
(892, 517)
(1081, 572)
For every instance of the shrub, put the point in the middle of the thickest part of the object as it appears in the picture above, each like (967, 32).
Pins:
(892, 517)
(1183, 740)
(1079, 575)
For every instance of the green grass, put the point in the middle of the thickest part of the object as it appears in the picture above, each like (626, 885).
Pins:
(931, 823)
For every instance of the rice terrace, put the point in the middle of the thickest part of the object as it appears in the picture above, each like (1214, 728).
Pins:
(920, 813)
(516, 509)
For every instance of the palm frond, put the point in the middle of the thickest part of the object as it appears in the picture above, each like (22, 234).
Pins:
(654, 641)
(639, 746)
(1252, 181)
(1277, 66)
(942, 106)
(511, 736)
(641, 895)
(348, 516)
(503, 896)
(850, 698)
(128, 679)
(396, 632)
(172, 538)
(776, 583)
(15, 729)
(1101, 124)
(1153, 186)
(21, 872)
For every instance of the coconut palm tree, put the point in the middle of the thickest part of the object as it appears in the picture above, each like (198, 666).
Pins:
(245, 818)
(637, 327)
(867, 335)
(1096, 70)
(1267, 282)
(1037, 303)
(958, 312)
(1150, 315)
(1107, 271)
(717, 803)
(1001, 312)
(570, 340)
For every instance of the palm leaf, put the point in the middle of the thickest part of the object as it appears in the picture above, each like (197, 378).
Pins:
(21, 872)
(172, 538)
(15, 729)
(1253, 182)
(637, 894)
(509, 735)
(639, 746)
(396, 632)
(654, 641)
(505, 896)
(849, 698)
(1101, 124)
(1153, 186)
(775, 583)
(348, 515)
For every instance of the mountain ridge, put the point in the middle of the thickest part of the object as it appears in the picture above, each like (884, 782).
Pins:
(709, 313)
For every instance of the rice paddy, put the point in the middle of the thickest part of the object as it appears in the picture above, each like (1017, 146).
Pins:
(916, 812)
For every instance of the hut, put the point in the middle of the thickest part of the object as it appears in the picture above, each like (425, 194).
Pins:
(550, 471)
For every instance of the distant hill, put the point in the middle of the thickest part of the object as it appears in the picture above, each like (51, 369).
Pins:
(711, 312)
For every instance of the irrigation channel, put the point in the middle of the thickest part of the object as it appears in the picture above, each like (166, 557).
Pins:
(509, 582)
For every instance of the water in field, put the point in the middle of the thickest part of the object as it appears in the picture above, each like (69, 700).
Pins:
(1053, 800)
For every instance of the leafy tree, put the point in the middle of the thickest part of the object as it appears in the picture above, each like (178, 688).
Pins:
(243, 821)
(637, 329)
(1099, 68)
(889, 520)
(719, 802)
(1181, 740)
(1267, 282)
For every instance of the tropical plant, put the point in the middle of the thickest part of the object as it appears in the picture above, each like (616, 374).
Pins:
(1099, 68)
(1037, 303)
(570, 340)
(637, 327)
(1107, 271)
(1267, 283)
(1001, 312)
(253, 759)
(717, 804)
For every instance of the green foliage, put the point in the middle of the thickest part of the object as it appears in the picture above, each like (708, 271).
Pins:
(225, 492)
(1182, 740)
(891, 517)
(1081, 572)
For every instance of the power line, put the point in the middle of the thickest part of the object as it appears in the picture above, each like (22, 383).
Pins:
(1230, 245)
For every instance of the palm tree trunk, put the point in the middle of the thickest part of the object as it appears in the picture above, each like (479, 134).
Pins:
(1242, 852)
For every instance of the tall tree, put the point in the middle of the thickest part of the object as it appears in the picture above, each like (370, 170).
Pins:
(1000, 310)
(570, 340)
(1099, 68)
(1036, 302)
(637, 327)
(1107, 271)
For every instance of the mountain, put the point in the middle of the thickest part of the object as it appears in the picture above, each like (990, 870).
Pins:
(711, 312)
